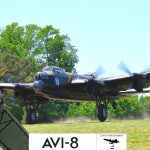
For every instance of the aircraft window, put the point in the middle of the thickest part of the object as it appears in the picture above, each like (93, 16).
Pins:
(47, 68)
(58, 71)
(55, 70)
(41, 76)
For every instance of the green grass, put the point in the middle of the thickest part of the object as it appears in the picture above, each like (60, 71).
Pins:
(138, 131)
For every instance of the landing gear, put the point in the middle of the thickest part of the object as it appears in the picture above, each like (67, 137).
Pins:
(102, 112)
(30, 116)
(101, 107)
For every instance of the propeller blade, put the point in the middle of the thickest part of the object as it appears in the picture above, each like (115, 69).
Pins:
(100, 70)
(124, 68)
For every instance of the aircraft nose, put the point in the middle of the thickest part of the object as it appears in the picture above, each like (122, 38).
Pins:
(38, 85)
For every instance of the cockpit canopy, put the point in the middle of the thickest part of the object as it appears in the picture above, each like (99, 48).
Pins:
(53, 70)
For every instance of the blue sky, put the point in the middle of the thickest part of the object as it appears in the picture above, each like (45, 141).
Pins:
(104, 32)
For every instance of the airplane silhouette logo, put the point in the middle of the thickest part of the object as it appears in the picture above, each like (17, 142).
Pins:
(112, 141)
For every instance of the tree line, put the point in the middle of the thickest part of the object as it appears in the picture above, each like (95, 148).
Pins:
(129, 107)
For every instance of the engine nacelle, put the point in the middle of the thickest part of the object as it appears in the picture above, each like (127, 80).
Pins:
(138, 82)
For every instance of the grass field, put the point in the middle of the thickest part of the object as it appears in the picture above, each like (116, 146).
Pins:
(138, 131)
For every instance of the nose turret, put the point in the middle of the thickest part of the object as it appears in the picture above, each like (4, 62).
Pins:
(41, 76)
(38, 86)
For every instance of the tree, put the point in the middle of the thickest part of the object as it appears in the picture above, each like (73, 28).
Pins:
(127, 107)
(42, 46)
(56, 49)
(15, 69)
(84, 109)
(145, 102)
(53, 110)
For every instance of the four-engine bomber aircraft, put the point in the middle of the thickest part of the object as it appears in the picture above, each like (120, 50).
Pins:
(55, 83)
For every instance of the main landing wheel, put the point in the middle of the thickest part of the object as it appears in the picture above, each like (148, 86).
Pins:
(101, 112)
(30, 116)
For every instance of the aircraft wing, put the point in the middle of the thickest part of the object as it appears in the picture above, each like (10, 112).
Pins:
(126, 82)
(12, 85)
(7, 85)
(23, 91)
(16, 86)
(79, 81)
(132, 91)
(109, 140)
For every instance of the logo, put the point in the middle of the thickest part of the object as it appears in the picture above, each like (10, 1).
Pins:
(111, 142)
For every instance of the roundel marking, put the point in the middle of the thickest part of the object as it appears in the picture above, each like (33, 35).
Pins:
(57, 81)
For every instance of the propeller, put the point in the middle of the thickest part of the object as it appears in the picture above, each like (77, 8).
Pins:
(99, 71)
(137, 78)
(124, 68)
